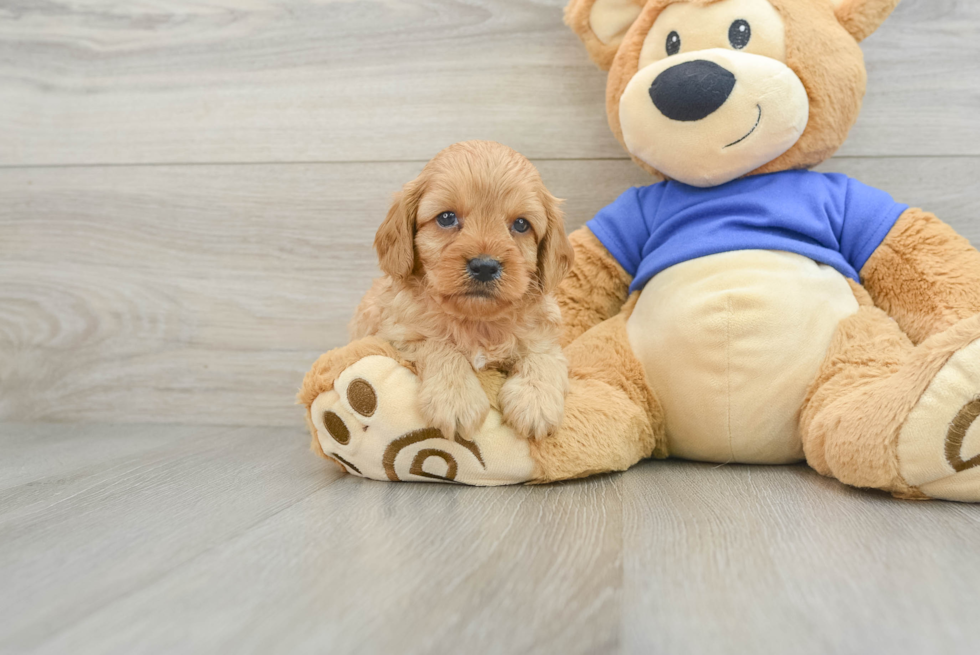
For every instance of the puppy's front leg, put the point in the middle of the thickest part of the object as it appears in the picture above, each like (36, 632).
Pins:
(451, 397)
(533, 397)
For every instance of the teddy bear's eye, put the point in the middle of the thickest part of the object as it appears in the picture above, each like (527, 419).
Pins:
(673, 43)
(447, 219)
(739, 34)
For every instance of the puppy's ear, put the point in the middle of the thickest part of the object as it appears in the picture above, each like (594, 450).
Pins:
(395, 240)
(555, 254)
(602, 24)
(862, 17)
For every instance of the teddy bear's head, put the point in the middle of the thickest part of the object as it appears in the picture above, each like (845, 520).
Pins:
(706, 91)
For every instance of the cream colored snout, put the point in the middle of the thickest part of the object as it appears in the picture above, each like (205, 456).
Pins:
(699, 136)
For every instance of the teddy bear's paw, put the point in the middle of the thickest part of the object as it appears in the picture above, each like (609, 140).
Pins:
(370, 423)
(939, 444)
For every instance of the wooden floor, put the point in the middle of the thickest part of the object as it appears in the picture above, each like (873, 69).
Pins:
(188, 194)
(150, 538)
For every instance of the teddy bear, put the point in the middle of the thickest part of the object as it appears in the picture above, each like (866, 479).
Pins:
(743, 309)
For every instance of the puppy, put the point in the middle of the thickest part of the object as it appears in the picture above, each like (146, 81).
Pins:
(472, 250)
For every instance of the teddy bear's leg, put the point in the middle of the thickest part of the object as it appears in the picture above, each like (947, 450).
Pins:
(594, 290)
(363, 413)
(924, 275)
(886, 414)
(612, 419)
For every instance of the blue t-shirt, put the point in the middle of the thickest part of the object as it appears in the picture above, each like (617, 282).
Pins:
(829, 218)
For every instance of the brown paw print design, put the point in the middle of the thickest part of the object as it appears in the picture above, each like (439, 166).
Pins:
(369, 423)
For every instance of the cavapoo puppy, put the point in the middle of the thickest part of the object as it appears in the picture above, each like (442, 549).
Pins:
(472, 250)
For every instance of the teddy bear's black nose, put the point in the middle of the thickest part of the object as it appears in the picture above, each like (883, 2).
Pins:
(483, 269)
(692, 90)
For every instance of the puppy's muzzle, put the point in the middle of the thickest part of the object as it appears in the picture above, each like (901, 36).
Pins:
(483, 269)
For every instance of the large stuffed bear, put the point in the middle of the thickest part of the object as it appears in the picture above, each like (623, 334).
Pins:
(746, 309)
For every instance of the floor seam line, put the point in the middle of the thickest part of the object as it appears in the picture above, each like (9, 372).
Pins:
(183, 564)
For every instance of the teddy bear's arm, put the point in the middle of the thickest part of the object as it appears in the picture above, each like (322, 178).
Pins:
(924, 275)
(594, 290)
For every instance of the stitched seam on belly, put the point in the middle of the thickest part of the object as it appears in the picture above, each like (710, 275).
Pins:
(728, 374)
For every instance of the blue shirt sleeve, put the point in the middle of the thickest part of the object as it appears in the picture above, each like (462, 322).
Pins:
(869, 214)
(623, 229)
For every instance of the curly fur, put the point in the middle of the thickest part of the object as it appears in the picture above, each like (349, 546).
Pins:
(448, 323)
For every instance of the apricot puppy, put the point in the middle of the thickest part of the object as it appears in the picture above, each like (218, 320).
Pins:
(473, 249)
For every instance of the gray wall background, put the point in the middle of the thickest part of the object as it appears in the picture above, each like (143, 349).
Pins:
(189, 190)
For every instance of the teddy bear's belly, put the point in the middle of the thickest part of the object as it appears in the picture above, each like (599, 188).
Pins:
(730, 344)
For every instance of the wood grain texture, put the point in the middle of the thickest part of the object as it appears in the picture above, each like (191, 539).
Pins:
(176, 81)
(743, 559)
(241, 541)
(32, 451)
(79, 537)
(201, 294)
(189, 193)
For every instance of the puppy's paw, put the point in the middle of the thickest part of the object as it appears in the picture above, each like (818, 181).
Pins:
(533, 408)
(454, 407)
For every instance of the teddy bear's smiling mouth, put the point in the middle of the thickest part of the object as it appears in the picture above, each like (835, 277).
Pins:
(754, 127)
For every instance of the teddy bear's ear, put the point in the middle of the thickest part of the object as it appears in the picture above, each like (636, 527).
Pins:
(862, 17)
(601, 24)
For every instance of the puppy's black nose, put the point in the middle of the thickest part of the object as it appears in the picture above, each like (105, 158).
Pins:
(692, 90)
(483, 269)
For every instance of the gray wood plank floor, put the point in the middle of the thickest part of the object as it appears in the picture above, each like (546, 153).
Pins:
(152, 539)
(189, 192)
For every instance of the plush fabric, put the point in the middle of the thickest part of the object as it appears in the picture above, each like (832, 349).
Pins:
(832, 219)
(773, 316)
(819, 50)
(369, 424)
(611, 20)
(924, 275)
(730, 343)
(612, 417)
(872, 380)
(594, 290)
(862, 17)
(756, 95)
(948, 402)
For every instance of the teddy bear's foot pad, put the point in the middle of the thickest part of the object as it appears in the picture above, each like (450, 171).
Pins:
(939, 445)
(370, 424)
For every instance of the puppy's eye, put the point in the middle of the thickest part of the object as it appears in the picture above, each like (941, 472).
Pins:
(521, 225)
(447, 219)
(739, 34)
(673, 44)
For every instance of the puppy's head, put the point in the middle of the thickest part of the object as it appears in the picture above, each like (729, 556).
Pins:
(479, 228)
